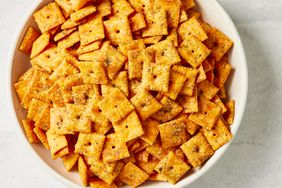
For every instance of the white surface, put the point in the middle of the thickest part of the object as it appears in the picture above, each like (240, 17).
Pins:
(254, 159)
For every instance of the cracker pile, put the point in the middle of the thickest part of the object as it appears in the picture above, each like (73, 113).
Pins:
(126, 91)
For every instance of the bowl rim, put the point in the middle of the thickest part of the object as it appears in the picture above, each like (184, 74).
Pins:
(184, 182)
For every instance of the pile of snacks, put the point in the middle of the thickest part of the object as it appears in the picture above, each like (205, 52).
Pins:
(126, 91)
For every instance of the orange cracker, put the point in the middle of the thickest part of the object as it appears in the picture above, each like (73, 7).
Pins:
(93, 72)
(191, 75)
(64, 33)
(193, 13)
(229, 115)
(122, 7)
(192, 27)
(151, 131)
(164, 52)
(42, 137)
(148, 166)
(132, 175)
(97, 183)
(92, 30)
(104, 7)
(169, 110)
(193, 51)
(69, 41)
(89, 47)
(202, 75)
(176, 83)
(207, 89)
(197, 150)
(118, 30)
(188, 4)
(145, 104)
(173, 133)
(40, 44)
(104, 174)
(183, 15)
(36, 106)
(218, 136)
(172, 168)
(28, 128)
(115, 106)
(222, 72)
(121, 82)
(78, 4)
(208, 115)
(152, 40)
(57, 144)
(63, 70)
(189, 103)
(66, 6)
(127, 46)
(30, 36)
(173, 36)
(58, 121)
(137, 21)
(191, 127)
(70, 160)
(129, 128)
(218, 102)
(136, 58)
(155, 16)
(172, 9)
(156, 76)
(48, 17)
(219, 43)
(90, 144)
(83, 93)
(82, 171)
(115, 149)
(71, 24)
(82, 13)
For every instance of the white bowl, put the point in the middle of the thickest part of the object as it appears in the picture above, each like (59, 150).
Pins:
(213, 13)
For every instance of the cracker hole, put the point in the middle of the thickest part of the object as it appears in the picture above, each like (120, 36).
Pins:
(48, 17)
(90, 31)
(214, 134)
(155, 76)
(99, 110)
(88, 144)
(170, 168)
(117, 31)
(196, 149)
(193, 51)
(116, 106)
(113, 147)
(126, 126)
(78, 117)
(48, 56)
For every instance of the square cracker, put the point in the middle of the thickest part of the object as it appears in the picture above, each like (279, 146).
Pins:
(93, 72)
(164, 52)
(197, 150)
(169, 110)
(78, 4)
(156, 150)
(115, 106)
(90, 144)
(82, 13)
(64, 33)
(57, 144)
(69, 41)
(49, 59)
(193, 51)
(191, 76)
(136, 58)
(137, 21)
(219, 43)
(173, 36)
(216, 100)
(121, 8)
(104, 174)
(30, 36)
(229, 115)
(156, 19)
(151, 131)
(115, 148)
(172, 168)
(192, 27)
(40, 44)
(89, 47)
(41, 135)
(129, 128)
(189, 103)
(132, 175)
(127, 46)
(58, 121)
(219, 135)
(101, 124)
(83, 93)
(48, 17)
(121, 82)
(208, 114)
(104, 7)
(71, 24)
(66, 6)
(156, 76)
(82, 171)
(221, 73)
(76, 120)
(191, 127)
(35, 108)
(176, 83)
(173, 133)
(92, 30)
(28, 128)
(207, 89)
(172, 9)
(188, 4)
(118, 29)
(70, 160)
(183, 15)
(145, 104)
(65, 69)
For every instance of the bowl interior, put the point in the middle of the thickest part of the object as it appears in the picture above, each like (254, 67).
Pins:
(213, 13)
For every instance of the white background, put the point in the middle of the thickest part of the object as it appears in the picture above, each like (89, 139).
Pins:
(255, 157)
